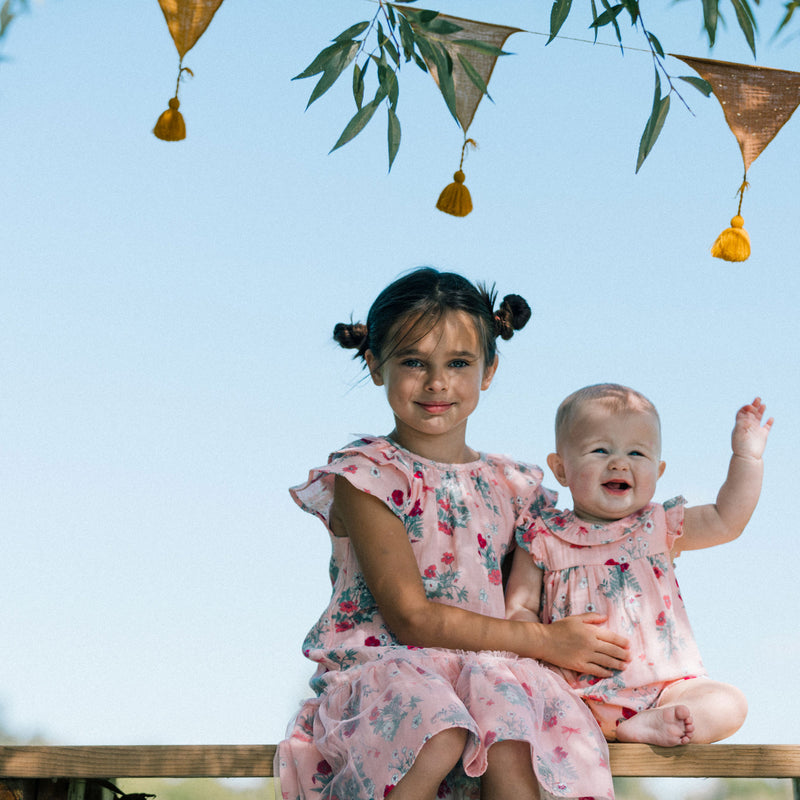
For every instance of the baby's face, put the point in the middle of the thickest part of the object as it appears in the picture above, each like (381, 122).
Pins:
(610, 460)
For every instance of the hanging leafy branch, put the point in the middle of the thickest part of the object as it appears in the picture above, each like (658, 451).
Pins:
(394, 36)
(398, 34)
(9, 10)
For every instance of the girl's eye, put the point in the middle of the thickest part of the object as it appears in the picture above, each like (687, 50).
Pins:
(459, 363)
(411, 362)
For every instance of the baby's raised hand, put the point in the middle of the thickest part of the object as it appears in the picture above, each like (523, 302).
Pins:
(749, 437)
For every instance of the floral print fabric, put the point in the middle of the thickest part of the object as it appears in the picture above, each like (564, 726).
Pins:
(622, 569)
(377, 701)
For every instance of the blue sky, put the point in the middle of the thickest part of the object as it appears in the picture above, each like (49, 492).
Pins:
(166, 368)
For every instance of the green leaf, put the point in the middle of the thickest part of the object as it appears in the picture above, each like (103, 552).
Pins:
(608, 16)
(558, 15)
(388, 83)
(406, 38)
(358, 82)
(710, 19)
(392, 135)
(332, 73)
(652, 129)
(747, 23)
(323, 60)
(791, 7)
(482, 47)
(632, 7)
(356, 125)
(656, 44)
(698, 83)
(392, 51)
(352, 32)
(474, 75)
(444, 70)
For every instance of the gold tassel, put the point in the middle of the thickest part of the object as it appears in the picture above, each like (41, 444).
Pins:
(733, 244)
(170, 126)
(455, 198)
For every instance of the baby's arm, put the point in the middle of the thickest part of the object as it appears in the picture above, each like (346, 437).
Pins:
(524, 588)
(523, 602)
(723, 521)
(392, 575)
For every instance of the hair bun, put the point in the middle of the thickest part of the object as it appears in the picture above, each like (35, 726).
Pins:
(350, 335)
(513, 315)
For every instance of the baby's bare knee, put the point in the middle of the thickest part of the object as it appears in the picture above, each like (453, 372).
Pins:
(444, 748)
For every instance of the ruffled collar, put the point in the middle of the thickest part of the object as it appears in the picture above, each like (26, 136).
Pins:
(574, 530)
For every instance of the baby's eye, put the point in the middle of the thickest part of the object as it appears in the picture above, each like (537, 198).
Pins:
(601, 450)
(637, 453)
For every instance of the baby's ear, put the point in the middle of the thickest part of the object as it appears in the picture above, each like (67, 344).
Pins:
(556, 464)
(662, 465)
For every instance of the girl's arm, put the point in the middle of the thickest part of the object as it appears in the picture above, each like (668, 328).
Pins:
(387, 561)
(723, 521)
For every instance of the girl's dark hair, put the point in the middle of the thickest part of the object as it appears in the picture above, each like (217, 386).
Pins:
(425, 295)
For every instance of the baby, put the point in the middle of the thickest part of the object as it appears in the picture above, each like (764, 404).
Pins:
(613, 553)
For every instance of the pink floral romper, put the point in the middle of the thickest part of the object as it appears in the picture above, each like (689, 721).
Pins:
(622, 569)
(377, 701)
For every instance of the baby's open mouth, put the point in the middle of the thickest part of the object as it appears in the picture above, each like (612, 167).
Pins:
(617, 486)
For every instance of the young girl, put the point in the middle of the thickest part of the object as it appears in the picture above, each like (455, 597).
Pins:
(419, 524)
(613, 554)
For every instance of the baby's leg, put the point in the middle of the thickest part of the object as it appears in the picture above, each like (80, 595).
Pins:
(509, 774)
(433, 763)
(717, 709)
(696, 710)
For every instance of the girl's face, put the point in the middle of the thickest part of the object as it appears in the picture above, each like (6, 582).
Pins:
(610, 460)
(433, 384)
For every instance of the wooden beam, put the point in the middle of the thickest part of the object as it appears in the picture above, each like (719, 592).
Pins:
(248, 761)
(140, 761)
(706, 761)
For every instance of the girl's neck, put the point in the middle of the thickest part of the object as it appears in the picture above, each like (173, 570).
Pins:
(445, 449)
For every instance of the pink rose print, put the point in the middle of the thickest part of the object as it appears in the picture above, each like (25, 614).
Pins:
(481, 542)
(347, 607)
(387, 789)
(559, 754)
(623, 566)
(430, 572)
(397, 497)
(350, 468)
(552, 722)
(658, 571)
(445, 528)
(667, 601)
(416, 510)
(324, 768)
(372, 641)
(448, 558)
(343, 625)
(495, 577)
(418, 474)
(661, 619)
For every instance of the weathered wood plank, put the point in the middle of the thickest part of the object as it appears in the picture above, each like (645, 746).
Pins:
(245, 761)
(706, 761)
(139, 761)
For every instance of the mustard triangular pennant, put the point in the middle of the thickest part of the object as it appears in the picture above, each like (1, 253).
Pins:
(187, 20)
(757, 101)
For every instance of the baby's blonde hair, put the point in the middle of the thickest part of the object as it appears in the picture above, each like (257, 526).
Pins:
(617, 397)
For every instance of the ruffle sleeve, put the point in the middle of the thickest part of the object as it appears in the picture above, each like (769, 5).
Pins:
(372, 465)
(673, 511)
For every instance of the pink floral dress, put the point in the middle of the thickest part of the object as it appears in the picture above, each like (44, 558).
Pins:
(377, 701)
(622, 569)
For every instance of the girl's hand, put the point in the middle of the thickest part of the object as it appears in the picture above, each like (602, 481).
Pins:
(749, 437)
(580, 643)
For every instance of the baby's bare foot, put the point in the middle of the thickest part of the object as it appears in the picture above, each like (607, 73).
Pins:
(666, 726)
